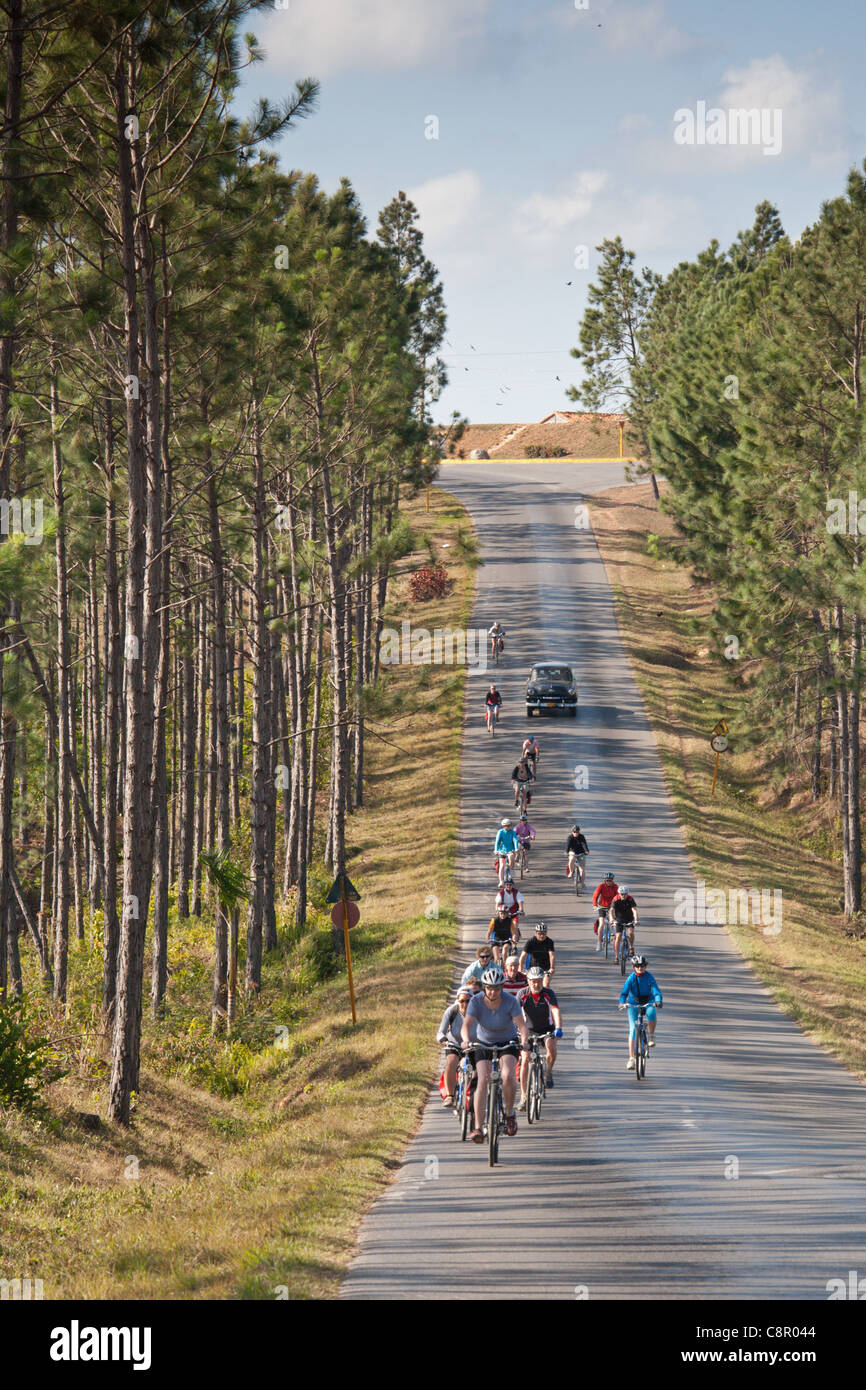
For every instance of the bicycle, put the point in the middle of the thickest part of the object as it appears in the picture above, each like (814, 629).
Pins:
(536, 1088)
(641, 1039)
(492, 717)
(577, 873)
(604, 933)
(626, 951)
(520, 794)
(523, 857)
(464, 1096)
(497, 645)
(495, 1103)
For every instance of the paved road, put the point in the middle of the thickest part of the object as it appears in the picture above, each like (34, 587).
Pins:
(733, 1086)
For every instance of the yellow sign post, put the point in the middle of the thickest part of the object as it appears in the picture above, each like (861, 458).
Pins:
(342, 892)
(718, 743)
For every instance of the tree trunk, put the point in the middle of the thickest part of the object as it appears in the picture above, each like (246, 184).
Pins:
(220, 1000)
(61, 901)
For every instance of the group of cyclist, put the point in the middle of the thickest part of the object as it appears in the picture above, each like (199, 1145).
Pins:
(504, 999)
(502, 1010)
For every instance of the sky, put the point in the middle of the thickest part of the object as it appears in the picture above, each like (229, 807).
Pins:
(527, 132)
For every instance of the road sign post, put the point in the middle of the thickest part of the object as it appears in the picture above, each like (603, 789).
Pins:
(342, 890)
(718, 743)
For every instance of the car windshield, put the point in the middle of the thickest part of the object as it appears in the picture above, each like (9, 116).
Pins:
(551, 673)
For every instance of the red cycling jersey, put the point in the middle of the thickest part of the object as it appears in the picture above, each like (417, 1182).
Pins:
(604, 894)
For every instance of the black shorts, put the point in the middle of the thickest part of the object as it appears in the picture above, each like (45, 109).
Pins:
(623, 926)
(501, 934)
(484, 1054)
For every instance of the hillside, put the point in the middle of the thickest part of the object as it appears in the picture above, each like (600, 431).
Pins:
(583, 435)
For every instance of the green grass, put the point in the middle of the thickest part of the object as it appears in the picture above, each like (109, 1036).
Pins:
(753, 832)
(257, 1156)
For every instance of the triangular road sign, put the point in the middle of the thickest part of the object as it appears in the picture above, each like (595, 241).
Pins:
(336, 893)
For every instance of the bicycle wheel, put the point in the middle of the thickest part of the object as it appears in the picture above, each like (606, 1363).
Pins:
(606, 941)
(623, 953)
(466, 1110)
(530, 1095)
(493, 1120)
(576, 880)
(539, 1086)
(640, 1055)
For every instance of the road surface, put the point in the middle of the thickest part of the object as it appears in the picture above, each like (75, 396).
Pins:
(736, 1169)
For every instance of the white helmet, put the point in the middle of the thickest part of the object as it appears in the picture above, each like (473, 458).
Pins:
(493, 975)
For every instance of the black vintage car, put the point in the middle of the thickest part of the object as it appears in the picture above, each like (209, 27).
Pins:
(551, 686)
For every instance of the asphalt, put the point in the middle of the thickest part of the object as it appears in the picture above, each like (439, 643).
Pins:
(735, 1170)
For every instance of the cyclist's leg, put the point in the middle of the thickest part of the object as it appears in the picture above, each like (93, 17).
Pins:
(524, 1073)
(450, 1075)
(580, 860)
(551, 1054)
(508, 1065)
(571, 858)
(652, 1017)
(496, 950)
(632, 1028)
(483, 1071)
(631, 937)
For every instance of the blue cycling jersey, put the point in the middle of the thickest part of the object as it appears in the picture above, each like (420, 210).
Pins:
(505, 842)
(640, 990)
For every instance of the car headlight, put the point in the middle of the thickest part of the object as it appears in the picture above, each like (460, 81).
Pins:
(571, 691)
(532, 691)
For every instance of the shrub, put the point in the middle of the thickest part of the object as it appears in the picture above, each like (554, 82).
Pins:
(428, 582)
(24, 1059)
(545, 451)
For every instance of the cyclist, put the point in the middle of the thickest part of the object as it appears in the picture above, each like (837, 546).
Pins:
(512, 899)
(499, 1019)
(539, 951)
(576, 850)
(531, 750)
(541, 1011)
(525, 835)
(521, 776)
(451, 1034)
(638, 989)
(505, 847)
(493, 704)
(514, 980)
(502, 931)
(601, 901)
(623, 910)
(482, 960)
(496, 633)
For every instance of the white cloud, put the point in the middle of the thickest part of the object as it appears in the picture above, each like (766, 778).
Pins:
(446, 205)
(542, 217)
(326, 36)
(647, 28)
(800, 115)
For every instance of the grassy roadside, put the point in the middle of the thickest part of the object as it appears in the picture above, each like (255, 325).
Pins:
(745, 836)
(249, 1164)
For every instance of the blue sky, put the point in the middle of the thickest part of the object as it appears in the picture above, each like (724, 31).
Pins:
(556, 129)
